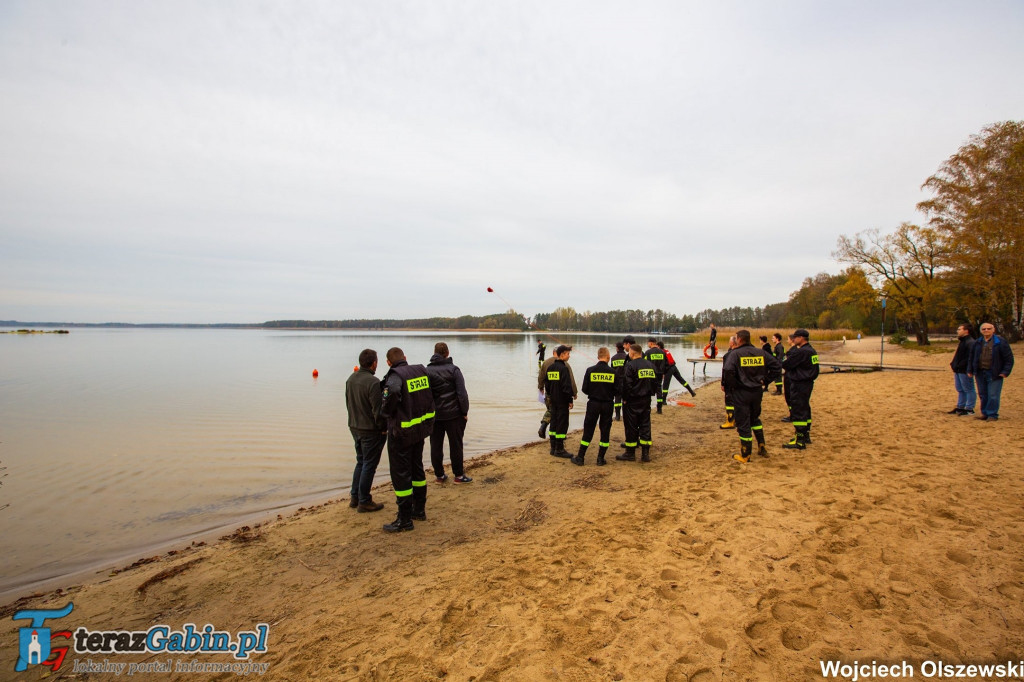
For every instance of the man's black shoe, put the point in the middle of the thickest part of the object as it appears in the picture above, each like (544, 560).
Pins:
(353, 502)
(626, 457)
(578, 461)
(955, 410)
(964, 413)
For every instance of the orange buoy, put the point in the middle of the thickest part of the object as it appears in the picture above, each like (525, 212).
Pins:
(316, 373)
(355, 368)
(680, 402)
(707, 350)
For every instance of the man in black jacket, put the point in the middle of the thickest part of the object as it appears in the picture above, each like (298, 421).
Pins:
(961, 366)
(618, 365)
(559, 389)
(369, 430)
(408, 404)
(745, 371)
(801, 365)
(451, 412)
(601, 386)
(780, 354)
(638, 385)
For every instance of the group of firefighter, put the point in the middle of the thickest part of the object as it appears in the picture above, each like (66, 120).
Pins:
(621, 386)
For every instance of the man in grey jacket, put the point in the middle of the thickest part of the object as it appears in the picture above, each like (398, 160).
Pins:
(451, 412)
(368, 427)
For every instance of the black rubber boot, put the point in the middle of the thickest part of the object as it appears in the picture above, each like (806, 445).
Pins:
(543, 429)
(560, 450)
(551, 440)
(645, 453)
(404, 519)
(600, 456)
(618, 413)
(807, 435)
(797, 443)
(659, 408)
(578, 459)
(745, 448)
(759, 437)
(693, 393)
(419, 503)
(628, 456)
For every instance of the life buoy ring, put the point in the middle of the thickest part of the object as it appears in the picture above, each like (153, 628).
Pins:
(707, 350)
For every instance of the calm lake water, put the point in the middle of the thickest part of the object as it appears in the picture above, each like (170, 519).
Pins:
(119, 442)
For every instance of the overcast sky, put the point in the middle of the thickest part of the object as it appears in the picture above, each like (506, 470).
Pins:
(240, 162)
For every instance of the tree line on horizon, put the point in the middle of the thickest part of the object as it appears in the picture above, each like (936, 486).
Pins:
(965, 265)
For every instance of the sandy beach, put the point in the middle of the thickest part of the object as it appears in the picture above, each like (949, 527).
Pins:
(896, 536)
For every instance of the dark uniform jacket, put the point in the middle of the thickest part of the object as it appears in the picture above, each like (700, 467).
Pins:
(600, 383)
(801, 363)
(780, 352)
(961, 363)
(618, 363)
(656, 357)
(542, 376)
(1002, 356)
(408, 403)
(747, 367)
(559, 384)
(449, 387)
(362, 398)
(639, 383)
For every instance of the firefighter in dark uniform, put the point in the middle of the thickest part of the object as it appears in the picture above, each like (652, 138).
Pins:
(780, 355)
(672, 370)
(541, 347)
(601, 386)
(408, 404)
(745, 369)
(558, 387)
(656, 356)
(801, 365)
(618, 365)
(638, 386)
(730, 422)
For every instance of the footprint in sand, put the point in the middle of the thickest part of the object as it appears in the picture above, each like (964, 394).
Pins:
(797, 638)
(949, 591)
(716, 640)
(1011, 591)
(787, 612)
(960, 556)
(758, 630)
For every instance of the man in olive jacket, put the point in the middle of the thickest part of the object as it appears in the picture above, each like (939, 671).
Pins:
(368, 427)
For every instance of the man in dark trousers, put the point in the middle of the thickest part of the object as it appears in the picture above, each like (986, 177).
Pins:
(601, 386)
(745, 371)
(672, 371)
(542, 380)
(638, 386)
(714, 336)
(368, 428)
(780, 353)
(559, 389)
(965, 394)
(618, 365)
(656, 356)
(541, 347)
(991, 362)
(801, 365)
(451, 412)
(730, 421)
(408, 404)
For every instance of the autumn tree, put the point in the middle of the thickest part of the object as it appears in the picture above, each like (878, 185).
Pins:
(978, 211)
(906, 267)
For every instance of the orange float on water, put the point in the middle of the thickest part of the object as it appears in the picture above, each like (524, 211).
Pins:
(316, 373)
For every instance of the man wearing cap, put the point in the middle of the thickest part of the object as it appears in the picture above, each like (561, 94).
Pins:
(801, 365)
(408, 404)
(745, 370)
(560, 390)
(638, 385)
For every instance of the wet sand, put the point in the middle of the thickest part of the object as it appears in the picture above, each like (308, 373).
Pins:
(897, 535)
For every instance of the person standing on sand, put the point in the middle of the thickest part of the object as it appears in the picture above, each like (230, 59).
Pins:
(560, 389)
(730, 421)
(408, 405)
(745, 372)
(991, 362)
(714, 335)
(780, 354)
(656, 356)
(638, 385)
(618, 365)
(965, 395)
(542, 378)
(801, 365)
(451, 412)
(368, 428)
(601, 385)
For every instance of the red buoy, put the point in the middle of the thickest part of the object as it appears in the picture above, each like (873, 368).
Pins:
(316, 373)
(355, 368)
